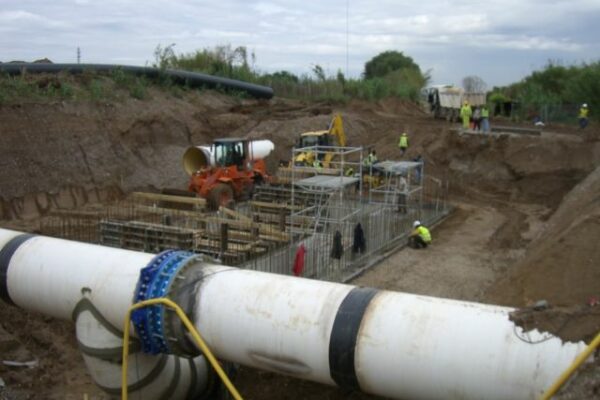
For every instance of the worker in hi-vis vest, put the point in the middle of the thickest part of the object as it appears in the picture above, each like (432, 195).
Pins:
(485, 119)
(420, 237)
(403, 143)
(465, 114)
(583, 116)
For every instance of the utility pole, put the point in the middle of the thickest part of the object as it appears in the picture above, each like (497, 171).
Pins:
(347, 29)
(78, 55)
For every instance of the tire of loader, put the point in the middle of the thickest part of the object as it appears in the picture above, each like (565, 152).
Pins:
(221, 195)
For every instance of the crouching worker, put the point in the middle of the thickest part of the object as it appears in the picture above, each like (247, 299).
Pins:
(420, 237)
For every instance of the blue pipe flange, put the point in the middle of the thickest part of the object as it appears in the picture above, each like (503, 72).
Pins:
(155, 281)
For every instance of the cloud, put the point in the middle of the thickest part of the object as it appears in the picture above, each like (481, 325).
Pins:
(518, 34)
(20, 19)
(268, 9)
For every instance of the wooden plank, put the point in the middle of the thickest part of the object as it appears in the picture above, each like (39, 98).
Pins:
(263, 228)
(264, 204)
(245, 236)
(170, 211)
(167, 197)
(233, 249)
(235, 214)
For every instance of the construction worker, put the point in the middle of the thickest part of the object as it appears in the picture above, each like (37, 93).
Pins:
(583, 116)
(403, 143)
(465, 114)
(485, 119)
(477, 119)
(317, 163)
(420, 237)
(371, 159)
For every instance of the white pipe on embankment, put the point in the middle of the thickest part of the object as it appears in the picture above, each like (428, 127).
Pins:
(391, 344)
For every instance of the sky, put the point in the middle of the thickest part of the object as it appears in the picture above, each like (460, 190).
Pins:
(499, 41)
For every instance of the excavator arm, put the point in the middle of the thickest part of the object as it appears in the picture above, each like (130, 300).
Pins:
(336, 128)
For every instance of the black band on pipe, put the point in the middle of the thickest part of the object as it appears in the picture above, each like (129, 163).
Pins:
(5, 256)
(344, 334)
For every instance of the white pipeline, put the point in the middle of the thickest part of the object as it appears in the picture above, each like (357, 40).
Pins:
(94, 286)
(391, 344)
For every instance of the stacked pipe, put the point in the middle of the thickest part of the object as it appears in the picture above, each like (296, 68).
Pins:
(386, 343)
(188, 78)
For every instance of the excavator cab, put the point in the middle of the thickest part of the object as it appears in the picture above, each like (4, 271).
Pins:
(333, 136)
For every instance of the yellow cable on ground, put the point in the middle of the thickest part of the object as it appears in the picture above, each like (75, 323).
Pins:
(569, 371)
(195, 334)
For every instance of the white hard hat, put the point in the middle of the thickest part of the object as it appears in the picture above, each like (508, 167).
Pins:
(584, 105)
(416, 223)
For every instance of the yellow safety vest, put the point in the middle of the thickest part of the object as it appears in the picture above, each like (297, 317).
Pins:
(403, 141)
(371, 159)
(485, 113)
(466, 111)
(424, 233)
(583, 112)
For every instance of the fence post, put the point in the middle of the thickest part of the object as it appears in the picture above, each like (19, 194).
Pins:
(282, 219)
(224, 239)
(255, 231)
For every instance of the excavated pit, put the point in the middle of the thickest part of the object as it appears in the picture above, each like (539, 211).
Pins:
(525, 229)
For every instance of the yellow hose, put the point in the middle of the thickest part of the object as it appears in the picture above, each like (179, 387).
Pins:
(195, 334)
(569, 371)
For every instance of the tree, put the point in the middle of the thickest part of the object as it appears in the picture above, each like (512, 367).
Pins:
(386, 62)
(474, 84)
(319, 72)
(164, 57)
(340, 77)
(284, 76)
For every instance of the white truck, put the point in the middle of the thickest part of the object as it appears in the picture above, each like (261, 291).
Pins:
(445, 101)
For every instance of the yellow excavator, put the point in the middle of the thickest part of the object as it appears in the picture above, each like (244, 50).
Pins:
(333, 136)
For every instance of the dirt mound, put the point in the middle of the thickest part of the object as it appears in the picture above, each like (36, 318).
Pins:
(47, 343)
(62, 155)
(561, 264)
(517, 168)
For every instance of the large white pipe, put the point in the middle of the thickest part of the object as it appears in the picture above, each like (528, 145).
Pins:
(150, 376)
(94, 286)
(387, 343)
(52, 275)
(391, 344)
(197, 157)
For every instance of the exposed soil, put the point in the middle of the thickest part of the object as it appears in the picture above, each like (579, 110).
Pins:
(526, 225)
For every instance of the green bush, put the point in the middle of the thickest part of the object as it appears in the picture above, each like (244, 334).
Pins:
(556, 92)
(96, 90)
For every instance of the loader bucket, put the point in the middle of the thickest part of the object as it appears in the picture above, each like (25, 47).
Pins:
(195, 159)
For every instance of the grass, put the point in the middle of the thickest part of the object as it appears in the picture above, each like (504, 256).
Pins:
(89, 86)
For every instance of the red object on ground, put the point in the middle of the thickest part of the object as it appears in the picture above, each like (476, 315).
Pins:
(593, 301)
(299, 260)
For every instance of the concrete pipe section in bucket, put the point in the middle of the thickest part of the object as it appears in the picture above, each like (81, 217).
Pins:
(386, 343)
(197, 158)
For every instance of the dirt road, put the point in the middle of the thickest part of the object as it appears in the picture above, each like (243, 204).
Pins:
(458, 265)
